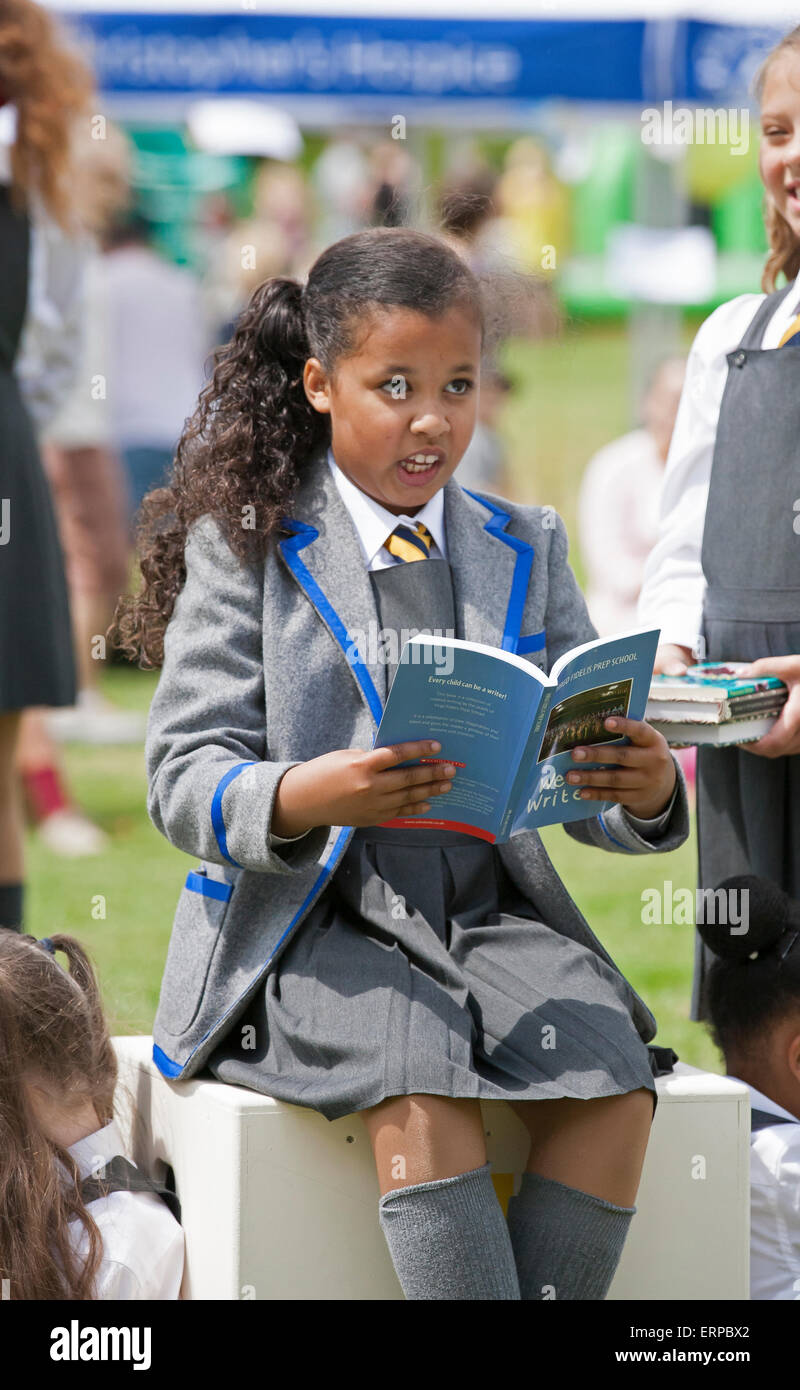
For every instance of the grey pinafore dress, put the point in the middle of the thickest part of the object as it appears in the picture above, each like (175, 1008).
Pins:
(36, 659)
(748, 807)
(422, 969)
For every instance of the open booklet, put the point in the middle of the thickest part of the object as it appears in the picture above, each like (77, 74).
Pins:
(508, 728)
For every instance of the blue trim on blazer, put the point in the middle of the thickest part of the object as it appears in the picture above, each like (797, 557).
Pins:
(303, 536)
(164, 1063)
(209, 887)
(522, 570)
(611, 837)
(534, 643)
(216, 810)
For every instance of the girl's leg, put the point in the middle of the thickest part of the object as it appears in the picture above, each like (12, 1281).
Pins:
(11, 860)
(438, 1210)
(569, 1221)
(595, 1145)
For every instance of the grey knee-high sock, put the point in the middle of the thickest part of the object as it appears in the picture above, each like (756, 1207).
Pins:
(567, 1243)
(448, 1239)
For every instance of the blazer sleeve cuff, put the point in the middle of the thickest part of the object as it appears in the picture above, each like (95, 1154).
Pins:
(241, 816)
(615, 830)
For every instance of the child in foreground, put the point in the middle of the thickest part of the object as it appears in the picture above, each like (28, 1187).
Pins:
(66, 1230)
(754, 1019)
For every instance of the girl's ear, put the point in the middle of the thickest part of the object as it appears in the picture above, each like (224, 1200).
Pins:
(316, 385)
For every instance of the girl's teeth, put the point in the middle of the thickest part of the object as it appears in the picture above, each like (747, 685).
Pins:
(414, 466)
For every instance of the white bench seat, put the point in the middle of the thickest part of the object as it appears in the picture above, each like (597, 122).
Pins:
(280, 1203)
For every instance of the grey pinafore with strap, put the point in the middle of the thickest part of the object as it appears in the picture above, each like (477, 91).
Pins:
(421, 969)
(748, 807)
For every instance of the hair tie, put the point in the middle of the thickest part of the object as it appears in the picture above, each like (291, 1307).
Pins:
(47, 943)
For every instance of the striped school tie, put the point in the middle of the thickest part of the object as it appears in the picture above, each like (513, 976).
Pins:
(792, 334)
(409, 543)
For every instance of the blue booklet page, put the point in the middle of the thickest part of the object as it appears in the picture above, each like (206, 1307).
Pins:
(509, 728)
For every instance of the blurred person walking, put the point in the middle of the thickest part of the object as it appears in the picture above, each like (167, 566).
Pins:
(618, 511)
(47, 87)
(90, 492)
(157, 342)
(618, 504)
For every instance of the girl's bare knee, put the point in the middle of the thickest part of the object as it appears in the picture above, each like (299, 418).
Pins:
(419, 1138)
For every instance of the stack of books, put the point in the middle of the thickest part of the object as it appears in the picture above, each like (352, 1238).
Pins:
(713, 704)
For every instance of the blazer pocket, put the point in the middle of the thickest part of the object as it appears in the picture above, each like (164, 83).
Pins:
(199, 917)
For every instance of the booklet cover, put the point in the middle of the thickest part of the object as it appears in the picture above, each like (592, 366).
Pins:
(509, 729)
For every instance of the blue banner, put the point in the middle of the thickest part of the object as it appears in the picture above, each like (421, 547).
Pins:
(362, 57)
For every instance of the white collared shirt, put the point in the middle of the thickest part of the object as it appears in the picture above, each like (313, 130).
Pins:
(674, 585)
(774, 1204)
(143, 1247)
(374, 524)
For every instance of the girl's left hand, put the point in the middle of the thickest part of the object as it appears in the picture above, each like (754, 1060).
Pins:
(643, 774)
(784, 736)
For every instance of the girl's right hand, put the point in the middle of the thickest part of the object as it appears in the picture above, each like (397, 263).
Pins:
(672, 660)
(351, 787)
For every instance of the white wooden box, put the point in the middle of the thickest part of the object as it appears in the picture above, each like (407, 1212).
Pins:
(280, 1203)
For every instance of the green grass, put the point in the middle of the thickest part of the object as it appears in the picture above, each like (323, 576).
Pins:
(575, 401)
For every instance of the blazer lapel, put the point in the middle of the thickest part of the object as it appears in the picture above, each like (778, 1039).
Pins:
(490, 577)
(326, 559)
(490, 573)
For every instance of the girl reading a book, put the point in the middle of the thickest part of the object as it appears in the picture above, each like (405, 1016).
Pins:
(754, 1019)
(723, 580)
(69, 1229)
(318, 955)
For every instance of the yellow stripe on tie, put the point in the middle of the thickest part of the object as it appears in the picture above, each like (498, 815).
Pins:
(791, 332)
(409, 544)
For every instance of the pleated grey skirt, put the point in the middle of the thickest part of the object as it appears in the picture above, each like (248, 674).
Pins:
(422, 969)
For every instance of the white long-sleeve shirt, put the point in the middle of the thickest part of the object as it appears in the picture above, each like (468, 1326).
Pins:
(673, 587)
(143, 1244)
(774, 1204)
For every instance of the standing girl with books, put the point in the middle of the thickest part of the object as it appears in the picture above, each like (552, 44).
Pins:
(723, 580)
(318, 955)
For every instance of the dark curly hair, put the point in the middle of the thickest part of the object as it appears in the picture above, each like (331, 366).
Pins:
(754, 980)
(249, 440)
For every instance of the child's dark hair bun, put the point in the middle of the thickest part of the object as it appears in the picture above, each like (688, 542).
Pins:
(767, 912)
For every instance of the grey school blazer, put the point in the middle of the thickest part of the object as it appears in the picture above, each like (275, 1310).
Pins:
(259, 674)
